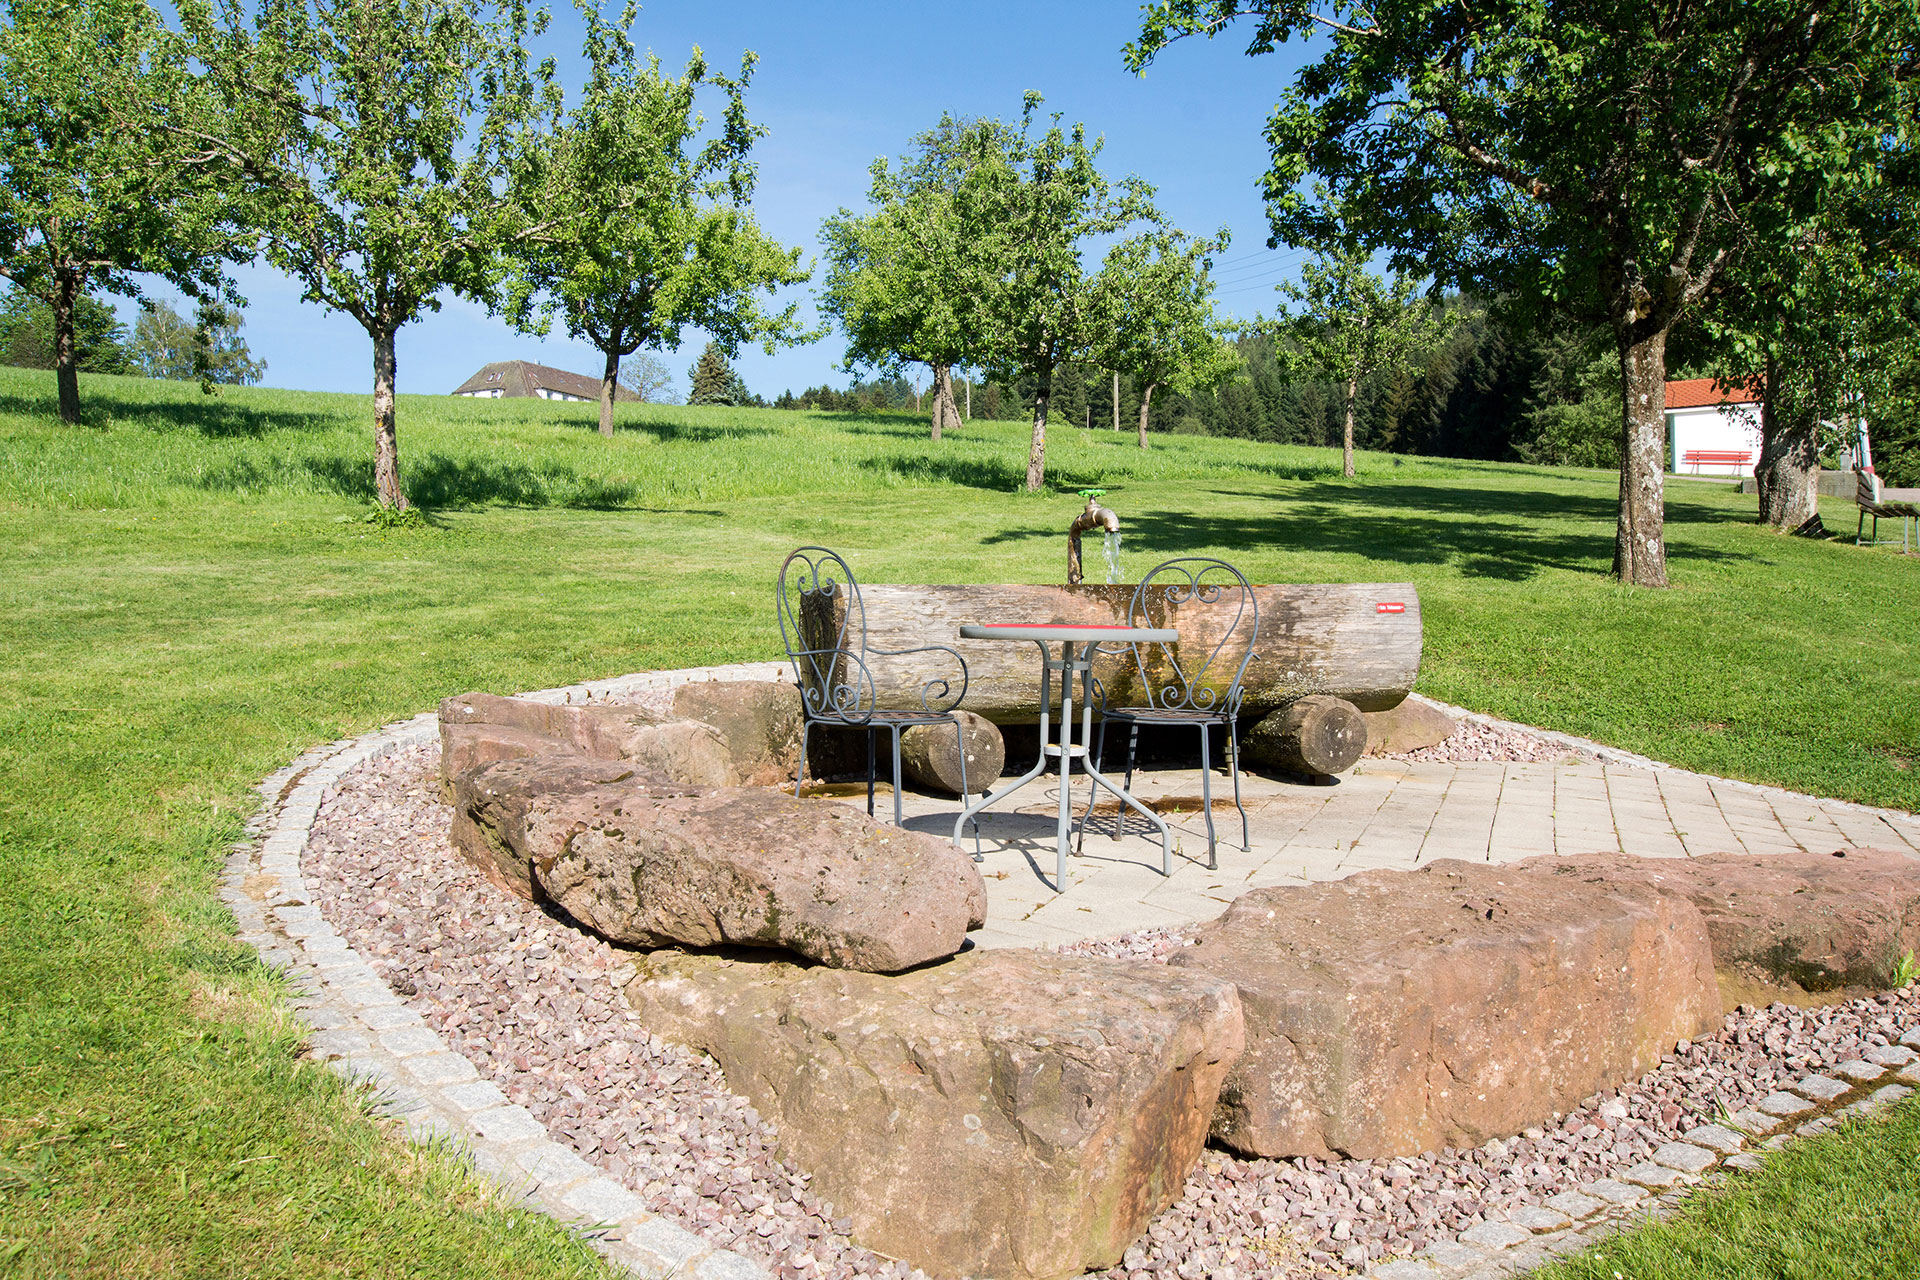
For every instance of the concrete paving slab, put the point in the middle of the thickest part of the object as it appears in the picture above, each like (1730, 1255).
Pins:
(1384, 814)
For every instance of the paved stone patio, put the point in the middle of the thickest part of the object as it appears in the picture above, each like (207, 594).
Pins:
(1386, 813)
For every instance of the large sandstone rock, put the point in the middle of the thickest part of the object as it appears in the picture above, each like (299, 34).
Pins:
(1397, 1012)
(477, 729)
(491, 801)
(759, 720)
(651, 863)
(1807, 928)
(1008, 1113)
(1411, 726)
(749, 867)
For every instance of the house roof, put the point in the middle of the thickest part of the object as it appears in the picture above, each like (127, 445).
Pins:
(524, 378)
(1695, 393)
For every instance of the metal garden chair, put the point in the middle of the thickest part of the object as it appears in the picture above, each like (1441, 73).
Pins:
(823, 623)
(1195, 681)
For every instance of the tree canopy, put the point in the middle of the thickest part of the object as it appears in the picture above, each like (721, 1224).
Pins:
(912, 281)
(1041, 197)
(1615, 158)
(93, 186)
(1152, 318)
(374, 143)
(660, 236)
(207, 349)
(1352, 323)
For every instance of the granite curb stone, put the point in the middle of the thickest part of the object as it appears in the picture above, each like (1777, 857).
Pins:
(362, 1029)
(1821, 1088)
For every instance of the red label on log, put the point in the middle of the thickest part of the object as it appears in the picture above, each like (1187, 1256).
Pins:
(1390, 606)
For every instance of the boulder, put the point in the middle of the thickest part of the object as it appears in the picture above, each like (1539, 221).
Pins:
(930, 754)
(1008, 1113)
(490, 804)
(751, 867)
(759, 720)
(1807, 928)
(1411, 726)
(651, 863)
(1397, 1012)
(478, 728)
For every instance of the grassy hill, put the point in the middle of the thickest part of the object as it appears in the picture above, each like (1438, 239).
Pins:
(191, 597)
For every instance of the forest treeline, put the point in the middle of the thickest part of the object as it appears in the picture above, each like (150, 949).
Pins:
(1499, 388)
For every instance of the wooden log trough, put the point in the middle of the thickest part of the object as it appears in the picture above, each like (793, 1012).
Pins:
(1355, 641)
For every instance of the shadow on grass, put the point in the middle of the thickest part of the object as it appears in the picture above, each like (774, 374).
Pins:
(215, 417)
(1006, 472)
(689, 432)
(1509, 535)
(440, 482)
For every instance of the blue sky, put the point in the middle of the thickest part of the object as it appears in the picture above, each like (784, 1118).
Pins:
(838, 85)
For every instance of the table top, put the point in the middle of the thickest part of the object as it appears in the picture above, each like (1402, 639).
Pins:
(1068, 631)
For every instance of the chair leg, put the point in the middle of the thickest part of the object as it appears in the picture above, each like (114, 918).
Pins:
(1133, 747)
(896, 778)
(800, 779)
(1093, 788)
(870, 732)
(966, 793)
(1233, 744)
(1206, 797)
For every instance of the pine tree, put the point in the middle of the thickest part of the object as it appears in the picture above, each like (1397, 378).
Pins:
(714, 381)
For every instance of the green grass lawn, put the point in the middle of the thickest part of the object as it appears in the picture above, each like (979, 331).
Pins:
(190, 599)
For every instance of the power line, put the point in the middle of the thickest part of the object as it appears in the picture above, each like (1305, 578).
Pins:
(1251, 270)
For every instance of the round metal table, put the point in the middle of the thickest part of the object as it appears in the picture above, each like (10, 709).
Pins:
(1077, 641)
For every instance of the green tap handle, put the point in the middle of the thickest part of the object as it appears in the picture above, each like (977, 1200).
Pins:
(1093, 493)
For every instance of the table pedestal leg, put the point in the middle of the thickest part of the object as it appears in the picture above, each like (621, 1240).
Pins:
(1068, 665)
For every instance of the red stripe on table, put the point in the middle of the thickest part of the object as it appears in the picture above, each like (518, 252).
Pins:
(1051, 626)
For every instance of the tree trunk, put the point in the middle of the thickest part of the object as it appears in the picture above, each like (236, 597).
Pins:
(66, 291)
(1789, 462)
(609, 384)
(1037, 452)
(944, 412)
(386, 444)
(1317, 736)
(1116, 402)
(1346, 431)
(1328, 638)
(1146, 398)
(930, 754)
(1639, 542)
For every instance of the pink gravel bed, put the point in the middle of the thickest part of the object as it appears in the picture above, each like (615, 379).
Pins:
(534, 1002)
(1472, 741)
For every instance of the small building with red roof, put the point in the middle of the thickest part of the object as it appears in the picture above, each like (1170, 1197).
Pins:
(1712, 428)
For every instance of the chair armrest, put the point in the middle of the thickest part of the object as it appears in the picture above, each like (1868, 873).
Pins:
(937, 695)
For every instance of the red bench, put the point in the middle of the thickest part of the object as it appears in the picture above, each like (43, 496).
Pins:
(1717, 457)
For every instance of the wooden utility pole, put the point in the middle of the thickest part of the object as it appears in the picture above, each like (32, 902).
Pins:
(1116, 400)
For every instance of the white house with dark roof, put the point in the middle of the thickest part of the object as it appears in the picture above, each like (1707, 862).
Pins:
(1712, 429)
(520, 379)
